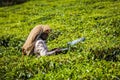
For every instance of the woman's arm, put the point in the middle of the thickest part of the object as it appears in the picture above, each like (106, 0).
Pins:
(41, 48)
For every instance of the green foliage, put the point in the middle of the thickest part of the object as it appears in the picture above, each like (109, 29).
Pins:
(96, 58)
(11, 2)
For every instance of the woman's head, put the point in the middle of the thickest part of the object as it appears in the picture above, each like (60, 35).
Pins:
(45, 33)
(37, 32)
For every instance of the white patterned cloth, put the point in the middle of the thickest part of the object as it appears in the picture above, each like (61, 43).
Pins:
(41, 48)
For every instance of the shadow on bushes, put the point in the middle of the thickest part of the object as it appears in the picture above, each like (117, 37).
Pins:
(4, 40)
(11, 2)
(11, 41)
(110, 54)
(10, 45)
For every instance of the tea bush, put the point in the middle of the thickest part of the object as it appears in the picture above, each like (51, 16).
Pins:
(11, 2)
(98, 57)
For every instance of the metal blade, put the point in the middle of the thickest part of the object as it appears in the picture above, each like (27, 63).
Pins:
(73, 43)
(76, 41)
(64, 49)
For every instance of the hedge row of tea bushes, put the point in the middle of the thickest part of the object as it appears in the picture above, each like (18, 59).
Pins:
(98, 57)
(11, 2)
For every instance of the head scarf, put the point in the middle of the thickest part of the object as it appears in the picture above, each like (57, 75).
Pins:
(35, 33)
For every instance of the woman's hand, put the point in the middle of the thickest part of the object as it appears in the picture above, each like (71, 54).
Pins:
(57, 50)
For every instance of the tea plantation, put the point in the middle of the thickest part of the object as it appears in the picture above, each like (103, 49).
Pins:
(97, 58)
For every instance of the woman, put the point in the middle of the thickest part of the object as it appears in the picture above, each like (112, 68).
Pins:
(35, 43)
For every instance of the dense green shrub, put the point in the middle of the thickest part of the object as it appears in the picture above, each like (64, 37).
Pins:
(97, 58)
